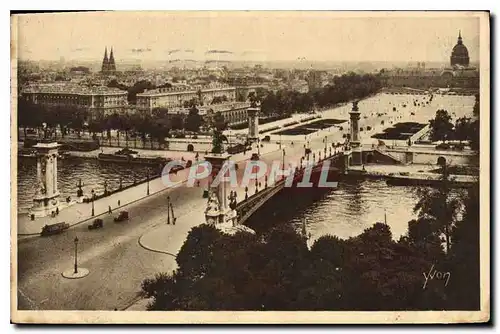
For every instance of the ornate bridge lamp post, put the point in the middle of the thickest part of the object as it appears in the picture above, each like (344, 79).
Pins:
(76, 255)
(79, 192)
(283, 157)
(93, 196)
(147, 178)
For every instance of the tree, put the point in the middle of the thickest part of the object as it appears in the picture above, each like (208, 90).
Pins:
(475, 127)
(193, 120)
(95, 126)
(78, 120)
(177, 123)
(276, 271)
(464, 255)
(217, 141)
(441, 126)
(144, 125)
(439, 208)
(159, 112)
(462, 129)
(219, 122)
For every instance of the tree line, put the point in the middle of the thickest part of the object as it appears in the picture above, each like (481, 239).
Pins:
(60, 120)
(344, 88)
(464, 129)
(434, 266)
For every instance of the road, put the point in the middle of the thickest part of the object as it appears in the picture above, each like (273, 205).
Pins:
(117, 263)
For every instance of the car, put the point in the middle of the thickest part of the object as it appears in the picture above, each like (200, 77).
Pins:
(255, 156)
(122, 216)
(266, 138)
(54, 228)
(307, 151)
(97, 223)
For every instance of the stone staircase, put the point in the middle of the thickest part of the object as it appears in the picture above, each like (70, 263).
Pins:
(387, 157)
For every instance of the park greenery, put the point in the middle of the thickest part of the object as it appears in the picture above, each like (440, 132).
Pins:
(276, 270)
(464, 129)
(57, 121)
(343, 89)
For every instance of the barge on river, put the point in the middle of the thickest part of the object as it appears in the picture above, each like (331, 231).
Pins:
(429, 179)
(131, 157)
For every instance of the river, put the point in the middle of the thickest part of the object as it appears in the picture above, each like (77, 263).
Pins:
(344, 211)
(92, 173)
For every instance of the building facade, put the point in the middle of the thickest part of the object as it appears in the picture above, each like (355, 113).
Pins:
(233, 113)
(99, 101)
(176, 96)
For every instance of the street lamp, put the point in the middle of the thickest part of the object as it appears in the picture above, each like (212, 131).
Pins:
(280, 141)
(147, 177)
(76, 255)
(258, 146)
(284, 159)
(93, 195)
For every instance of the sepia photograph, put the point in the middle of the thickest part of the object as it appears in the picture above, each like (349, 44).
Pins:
(250, 167)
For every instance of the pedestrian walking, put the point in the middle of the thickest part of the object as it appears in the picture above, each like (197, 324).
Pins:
(109, 209)
(57, 211)
(118, 202)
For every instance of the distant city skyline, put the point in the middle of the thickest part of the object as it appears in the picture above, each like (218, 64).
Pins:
(246, 36)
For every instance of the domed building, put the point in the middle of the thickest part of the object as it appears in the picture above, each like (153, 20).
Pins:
(460, 54)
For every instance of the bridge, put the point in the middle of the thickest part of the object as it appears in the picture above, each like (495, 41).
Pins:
(251, 204)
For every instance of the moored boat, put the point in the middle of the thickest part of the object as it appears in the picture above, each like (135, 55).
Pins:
(131, 157)
(456, 181)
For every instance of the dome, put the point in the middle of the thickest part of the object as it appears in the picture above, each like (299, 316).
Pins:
(459, 54)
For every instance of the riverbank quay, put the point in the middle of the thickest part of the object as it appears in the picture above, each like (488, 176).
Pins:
(82, 212)
(408, 175)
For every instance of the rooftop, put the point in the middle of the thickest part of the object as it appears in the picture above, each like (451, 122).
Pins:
(57, 88)
(185, 88)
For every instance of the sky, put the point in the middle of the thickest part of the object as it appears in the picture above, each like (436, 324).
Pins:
(259, 36)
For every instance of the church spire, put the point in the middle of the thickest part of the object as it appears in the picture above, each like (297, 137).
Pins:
(105, 61)
(112, 66)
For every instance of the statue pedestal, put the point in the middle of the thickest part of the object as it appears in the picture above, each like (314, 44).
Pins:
(47, 199)
(43, 206)
(253, 124)
(218, 210)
